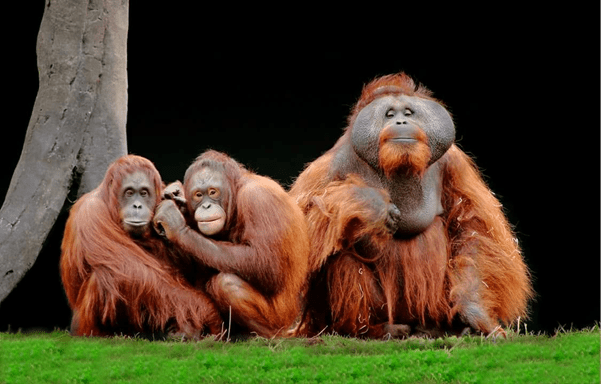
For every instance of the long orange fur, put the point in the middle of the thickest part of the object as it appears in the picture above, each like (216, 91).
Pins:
(115, 283)
(469, 251)
(267, 232)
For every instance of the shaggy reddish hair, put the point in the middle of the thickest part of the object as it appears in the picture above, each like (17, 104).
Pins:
(115, 283)
(465, 267)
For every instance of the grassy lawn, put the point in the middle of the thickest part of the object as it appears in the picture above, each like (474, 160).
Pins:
(569, 357)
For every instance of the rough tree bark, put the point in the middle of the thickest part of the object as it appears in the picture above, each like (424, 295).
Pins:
(77, 127)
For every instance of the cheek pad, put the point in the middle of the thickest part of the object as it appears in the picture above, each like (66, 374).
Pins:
(438, 125)
(365, 134)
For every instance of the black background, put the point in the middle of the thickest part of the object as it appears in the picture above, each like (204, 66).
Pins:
(522, 86)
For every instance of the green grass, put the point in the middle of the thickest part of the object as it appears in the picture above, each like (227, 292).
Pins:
(568, 357)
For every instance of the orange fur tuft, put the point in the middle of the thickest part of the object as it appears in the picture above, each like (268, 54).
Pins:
(409, 159)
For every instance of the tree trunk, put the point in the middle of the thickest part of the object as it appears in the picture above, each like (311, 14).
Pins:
(77, 127)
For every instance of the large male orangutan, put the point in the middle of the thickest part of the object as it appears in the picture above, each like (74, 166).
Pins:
(252, 236)
(406, 237)
(119, 276)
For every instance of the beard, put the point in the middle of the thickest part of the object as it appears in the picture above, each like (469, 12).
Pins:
(408, 157)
